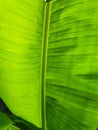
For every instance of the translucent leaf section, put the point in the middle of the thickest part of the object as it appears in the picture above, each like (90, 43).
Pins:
(21, 28)
(72, 74)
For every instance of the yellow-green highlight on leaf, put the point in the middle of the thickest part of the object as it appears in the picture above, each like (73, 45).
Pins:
(21, 30)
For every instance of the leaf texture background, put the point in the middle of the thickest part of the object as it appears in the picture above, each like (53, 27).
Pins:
(21, 30)
(72, 61)
(72, 73)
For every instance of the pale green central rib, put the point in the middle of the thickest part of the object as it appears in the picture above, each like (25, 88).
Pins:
(44, 60)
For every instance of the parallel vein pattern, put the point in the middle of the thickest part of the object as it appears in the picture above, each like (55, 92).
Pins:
(21, 28)
(72, 74)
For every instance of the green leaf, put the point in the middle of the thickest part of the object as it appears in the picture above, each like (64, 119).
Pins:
(72, 73)
(50, 66)
(5, 122)
(21, 30)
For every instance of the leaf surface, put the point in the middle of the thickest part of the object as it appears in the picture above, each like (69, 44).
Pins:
(72, 68)
(21, 30)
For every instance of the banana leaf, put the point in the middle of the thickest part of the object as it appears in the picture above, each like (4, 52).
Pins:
(21, 30)
(72, 66)
(49, 72)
